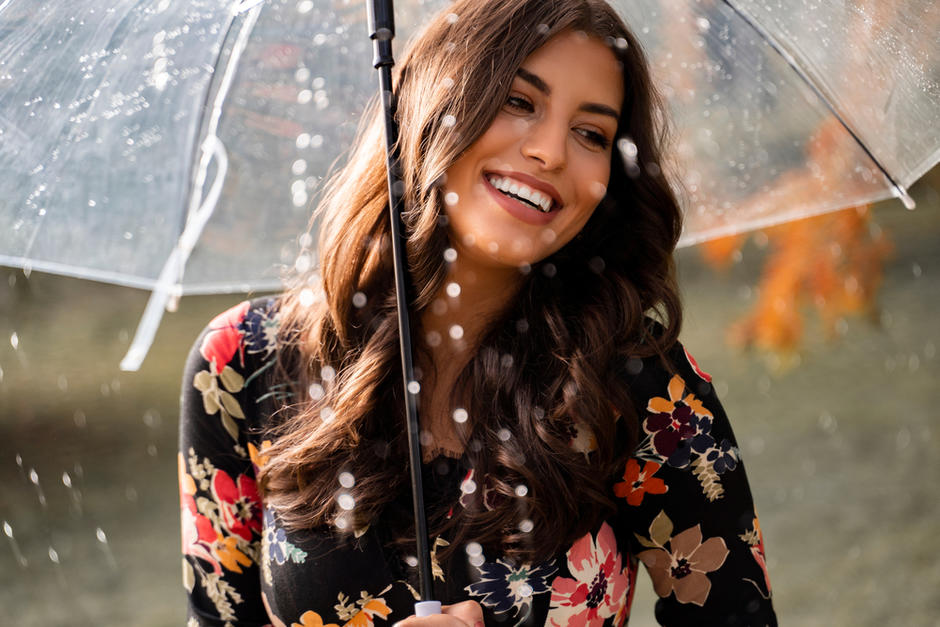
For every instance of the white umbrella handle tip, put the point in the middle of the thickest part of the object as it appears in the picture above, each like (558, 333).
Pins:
(427, 608)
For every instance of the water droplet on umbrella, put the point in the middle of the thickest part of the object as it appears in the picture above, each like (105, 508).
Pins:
(414, 387)
(304, 6)
(346, 479)
(827, 422)
(450, 255)
(598, 189)
(460, 415)
(916, 269)
(7, 529)
(455, 332)
(521, 490)
(526, 526)
(451, 198)
(346, 501)
(319, 82)
(341, 522)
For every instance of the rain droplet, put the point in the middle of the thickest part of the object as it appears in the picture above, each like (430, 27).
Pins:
(521, 490)
(414, 387)
(634, 365)
(298, 167)
(930, 350)
(316, 391)
(304, 96)
(917, 270)
(326, 414)
(702, 24)
(524, 591)
(7, 529)
(152, 450)
(542, 29)
(452, 18)
(316, 141)
(433, 338)
(34, 476)
(359, 300)
(66, 480)
(346, 479)
(473, 548)
(549, 270)
(506, 361)
(319, 82)
(341, 522)
(504, 434)
(598, 189)
(447, 82)
(493, 247)
(450, 255)
(102, 538)
(304, 6)
(597, 265)
(449, 121)
(460, 415)
(14, 340)
(548, 236)
(346, 501)
(302, 75)
(305, 240)
(412, 561)
(303, 141)
(306, 297)
(526, 526)
(327, 373)
(827, 422)
(455, 332)
(453, 290)
(302, 264)
(53, 555)
(620, 43)
(451, 198)
(468, 486)
(522, 325)
(903, 439)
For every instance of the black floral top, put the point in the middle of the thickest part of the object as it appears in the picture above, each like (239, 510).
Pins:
(685, 512)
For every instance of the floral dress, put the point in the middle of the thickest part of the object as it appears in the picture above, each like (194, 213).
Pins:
(684, 511)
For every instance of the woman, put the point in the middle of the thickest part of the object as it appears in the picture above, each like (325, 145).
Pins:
(566, 434)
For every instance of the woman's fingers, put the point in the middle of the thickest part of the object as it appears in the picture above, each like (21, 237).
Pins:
(464, 614)
(469, 612)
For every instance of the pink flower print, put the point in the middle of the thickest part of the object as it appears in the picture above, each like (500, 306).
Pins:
(600, 585)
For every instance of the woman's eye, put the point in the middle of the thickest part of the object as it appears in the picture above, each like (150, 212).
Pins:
(594, 138)
(518, 103)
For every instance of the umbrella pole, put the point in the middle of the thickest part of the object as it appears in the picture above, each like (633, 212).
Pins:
(382, 31)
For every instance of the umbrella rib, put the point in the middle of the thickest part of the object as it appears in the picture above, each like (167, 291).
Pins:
(899, 190)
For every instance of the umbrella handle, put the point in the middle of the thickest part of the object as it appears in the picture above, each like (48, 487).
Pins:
(427, 608)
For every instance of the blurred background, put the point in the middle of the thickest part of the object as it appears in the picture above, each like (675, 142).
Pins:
(837, 423)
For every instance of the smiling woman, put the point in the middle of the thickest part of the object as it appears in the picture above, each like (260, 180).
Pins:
(567, 436)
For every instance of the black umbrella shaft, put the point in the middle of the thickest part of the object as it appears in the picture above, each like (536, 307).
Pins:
(381, 31)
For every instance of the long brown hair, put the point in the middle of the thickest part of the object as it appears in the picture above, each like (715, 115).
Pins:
(580, 314)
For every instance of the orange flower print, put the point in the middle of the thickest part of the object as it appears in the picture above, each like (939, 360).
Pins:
(682, 567)
(312, 619)
(638, 482)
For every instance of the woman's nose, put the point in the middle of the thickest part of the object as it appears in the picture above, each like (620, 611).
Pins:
(546, 142)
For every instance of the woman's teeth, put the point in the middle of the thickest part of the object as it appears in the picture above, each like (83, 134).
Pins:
(523, 192)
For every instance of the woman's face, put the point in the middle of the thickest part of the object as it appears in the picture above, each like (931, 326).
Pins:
(528, 185)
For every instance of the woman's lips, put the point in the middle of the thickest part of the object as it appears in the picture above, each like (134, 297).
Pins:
(518, 209)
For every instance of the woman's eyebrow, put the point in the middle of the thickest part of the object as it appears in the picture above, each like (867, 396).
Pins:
(588, 107)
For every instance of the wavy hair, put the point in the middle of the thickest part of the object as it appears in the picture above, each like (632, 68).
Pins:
(551, 367)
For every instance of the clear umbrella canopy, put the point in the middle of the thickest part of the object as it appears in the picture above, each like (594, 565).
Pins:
(180, 146)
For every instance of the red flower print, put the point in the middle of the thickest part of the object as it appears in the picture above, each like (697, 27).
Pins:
(239, 503)
(637, 482)
(672, 419)
(600, 586)
(225, 339)
(707, 377)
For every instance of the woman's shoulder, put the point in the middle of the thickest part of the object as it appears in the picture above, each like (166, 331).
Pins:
(239, 334)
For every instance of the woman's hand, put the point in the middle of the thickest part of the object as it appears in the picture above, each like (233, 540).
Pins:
(464, 614)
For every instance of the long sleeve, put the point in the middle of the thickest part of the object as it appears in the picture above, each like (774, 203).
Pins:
(220, 510)
(691, 516)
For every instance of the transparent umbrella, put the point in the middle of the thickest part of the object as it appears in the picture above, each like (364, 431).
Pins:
(179, 146)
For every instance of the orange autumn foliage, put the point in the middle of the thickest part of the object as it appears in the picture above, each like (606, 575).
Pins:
(831, 262)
